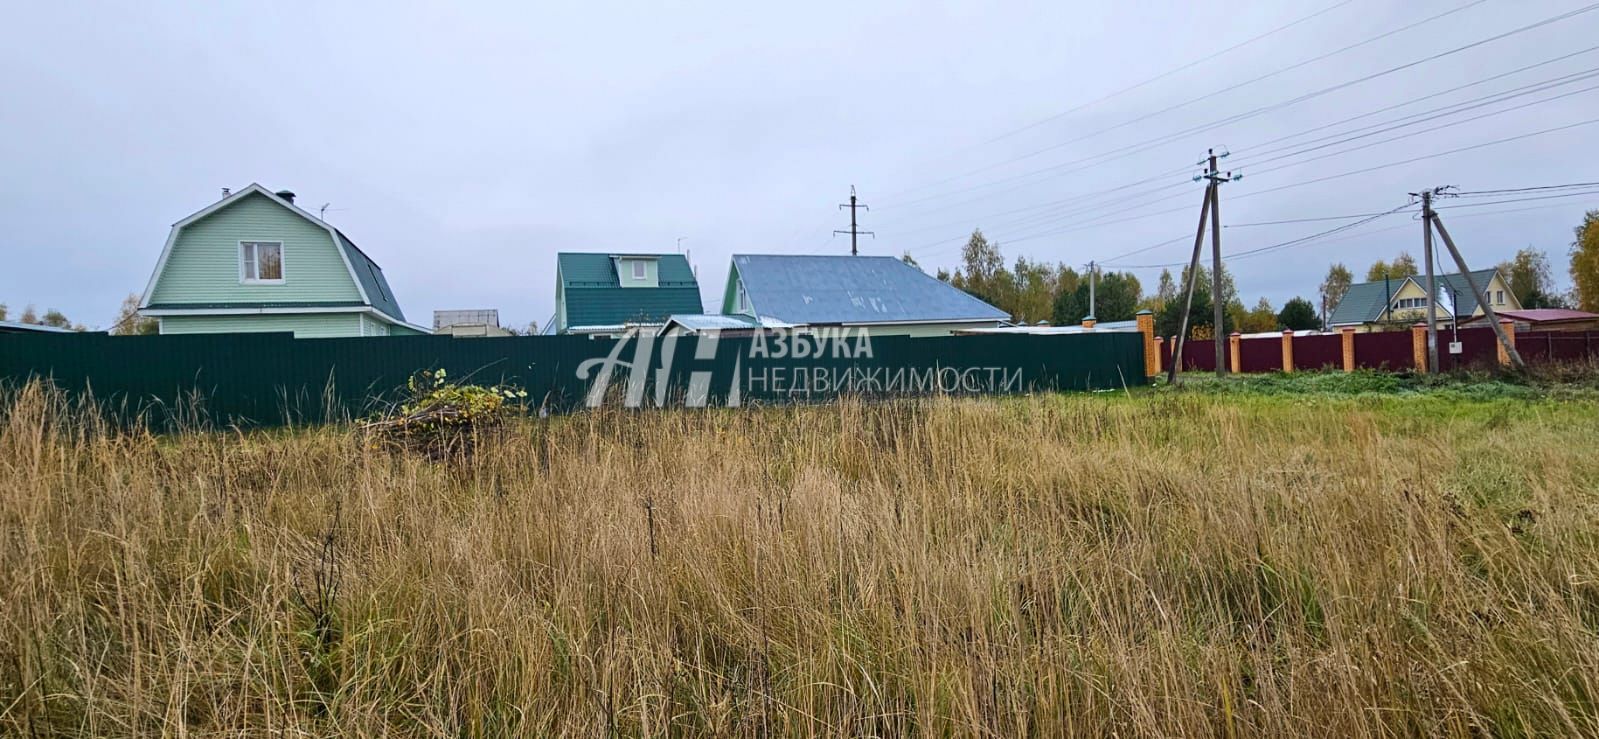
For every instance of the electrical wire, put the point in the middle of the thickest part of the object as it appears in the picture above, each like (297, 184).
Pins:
(1430, 115)
(1167, 73)
(1131, 149)
(1540, 188)
(1366, 218)
(1236, 86)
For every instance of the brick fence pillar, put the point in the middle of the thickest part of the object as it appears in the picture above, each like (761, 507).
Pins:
(1347, 333)
(1418, 346)
(1146, 328)
(1288, 350)
(1088, 322)
(1510, 334)
(1233, 361)
(1160, 355)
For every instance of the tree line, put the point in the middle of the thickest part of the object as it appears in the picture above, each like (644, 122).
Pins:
(128, 321)
(1037, 291)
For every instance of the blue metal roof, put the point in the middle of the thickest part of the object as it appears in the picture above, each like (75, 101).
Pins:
(17, 327)
(715, 321)
(841, 289)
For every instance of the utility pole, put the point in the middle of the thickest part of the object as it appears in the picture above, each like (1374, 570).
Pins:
(854, 231)
(1432, 281)
(1093, 303)
(1218, 301)
(1210, 210)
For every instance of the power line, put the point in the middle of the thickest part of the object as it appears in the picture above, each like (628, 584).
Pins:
(1441, 112)
(1147, 144)
(1412, 160)
(1167, 73)
(1470, 193)
(1280, 245)
(1501, 97)
(1366, 218)
(1440, 93)
(1098, 223)
(1251, 81)
(1302, 220)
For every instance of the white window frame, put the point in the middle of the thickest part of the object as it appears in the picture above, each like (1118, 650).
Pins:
(1499, 297)
(283, 267)
(743, 298)
(640, 271)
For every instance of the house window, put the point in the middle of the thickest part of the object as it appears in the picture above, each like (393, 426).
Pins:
(743, 299)
(638, 269)
(1499, 298)
(261, 261)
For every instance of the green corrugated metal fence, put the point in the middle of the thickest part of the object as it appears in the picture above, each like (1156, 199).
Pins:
(271, 379)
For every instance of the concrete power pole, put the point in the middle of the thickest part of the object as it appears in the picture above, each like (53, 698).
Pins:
(1093, 302)
(854, 231)
(1216, 299)
(1432, 281)
(1189, 280)
(1482, 298)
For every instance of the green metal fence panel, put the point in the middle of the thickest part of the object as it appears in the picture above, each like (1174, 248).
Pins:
(273, 379)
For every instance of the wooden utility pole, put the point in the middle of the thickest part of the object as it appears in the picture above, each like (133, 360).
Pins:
(854, 231)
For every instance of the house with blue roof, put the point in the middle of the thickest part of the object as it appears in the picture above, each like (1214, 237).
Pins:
(882, 295)
(255, 262)
(606, 294)
(1401, 302)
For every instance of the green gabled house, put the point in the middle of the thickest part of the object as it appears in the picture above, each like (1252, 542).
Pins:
(605, 294)
(254, 262)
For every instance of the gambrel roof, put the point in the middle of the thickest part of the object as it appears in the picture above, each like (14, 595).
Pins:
(368, 277)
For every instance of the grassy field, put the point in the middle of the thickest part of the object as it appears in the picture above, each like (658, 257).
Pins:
(1332, 557)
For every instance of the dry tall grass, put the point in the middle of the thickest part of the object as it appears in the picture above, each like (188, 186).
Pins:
(1063, 565)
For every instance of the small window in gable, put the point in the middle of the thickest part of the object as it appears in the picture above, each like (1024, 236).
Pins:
(639, 271)
(743, 299)
(261, 262)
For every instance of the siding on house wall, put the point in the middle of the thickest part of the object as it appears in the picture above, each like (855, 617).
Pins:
(730, 295)
(373, 327)
(1495, 287)
(652, 273)
(204, 264)
(302, 325)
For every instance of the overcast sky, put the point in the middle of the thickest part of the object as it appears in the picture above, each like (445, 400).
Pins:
(462, 147)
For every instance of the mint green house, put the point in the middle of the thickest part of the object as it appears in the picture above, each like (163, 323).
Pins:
(254, 262)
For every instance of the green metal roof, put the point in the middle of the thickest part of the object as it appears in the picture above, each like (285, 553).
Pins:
(371, 277)
(594, 294)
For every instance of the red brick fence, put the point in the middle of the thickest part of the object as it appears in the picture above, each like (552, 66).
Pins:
(1389, 350)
